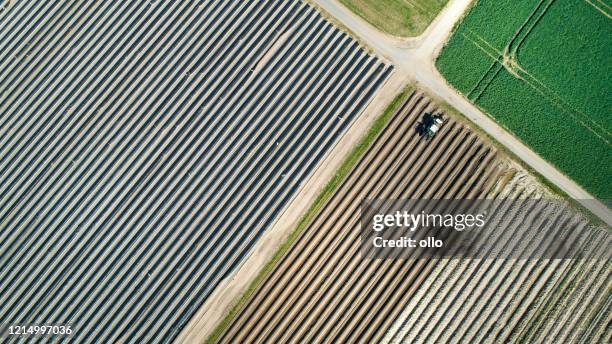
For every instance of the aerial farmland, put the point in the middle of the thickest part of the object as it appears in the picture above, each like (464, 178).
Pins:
(543, 69)
(323, 290)
(266, 171)
(145, 146)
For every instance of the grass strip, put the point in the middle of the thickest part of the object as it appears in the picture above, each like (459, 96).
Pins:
(327, 192)
(398, 18)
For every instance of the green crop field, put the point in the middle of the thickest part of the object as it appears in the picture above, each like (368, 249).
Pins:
(543, 69)
(403, 18)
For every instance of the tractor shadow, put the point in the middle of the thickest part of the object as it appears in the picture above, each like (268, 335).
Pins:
(422, 127)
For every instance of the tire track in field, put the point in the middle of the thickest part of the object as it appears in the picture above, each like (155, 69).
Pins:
(519, 72)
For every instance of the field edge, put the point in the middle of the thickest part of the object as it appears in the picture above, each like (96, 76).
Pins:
(506, 153)
(582, 181)
(330, 188)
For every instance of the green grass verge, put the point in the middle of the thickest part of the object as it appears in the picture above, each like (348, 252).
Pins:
(404, 18)
(542, 74)
(327, 192)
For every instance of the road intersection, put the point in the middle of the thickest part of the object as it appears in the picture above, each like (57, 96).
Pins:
(415, 59)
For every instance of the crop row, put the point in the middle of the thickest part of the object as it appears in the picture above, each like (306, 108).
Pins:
(322, 290)
(325, 290)
(507, 299)
(146, 146)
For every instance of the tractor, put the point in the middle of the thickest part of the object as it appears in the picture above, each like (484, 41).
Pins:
(431, 125)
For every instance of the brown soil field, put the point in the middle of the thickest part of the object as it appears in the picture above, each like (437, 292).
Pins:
(324, 291)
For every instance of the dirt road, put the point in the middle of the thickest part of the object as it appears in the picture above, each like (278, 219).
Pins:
(221, 300)
(415, 58)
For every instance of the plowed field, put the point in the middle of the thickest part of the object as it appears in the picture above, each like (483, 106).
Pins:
(324, 291)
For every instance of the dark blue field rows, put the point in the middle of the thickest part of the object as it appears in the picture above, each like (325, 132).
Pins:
(145, 146)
